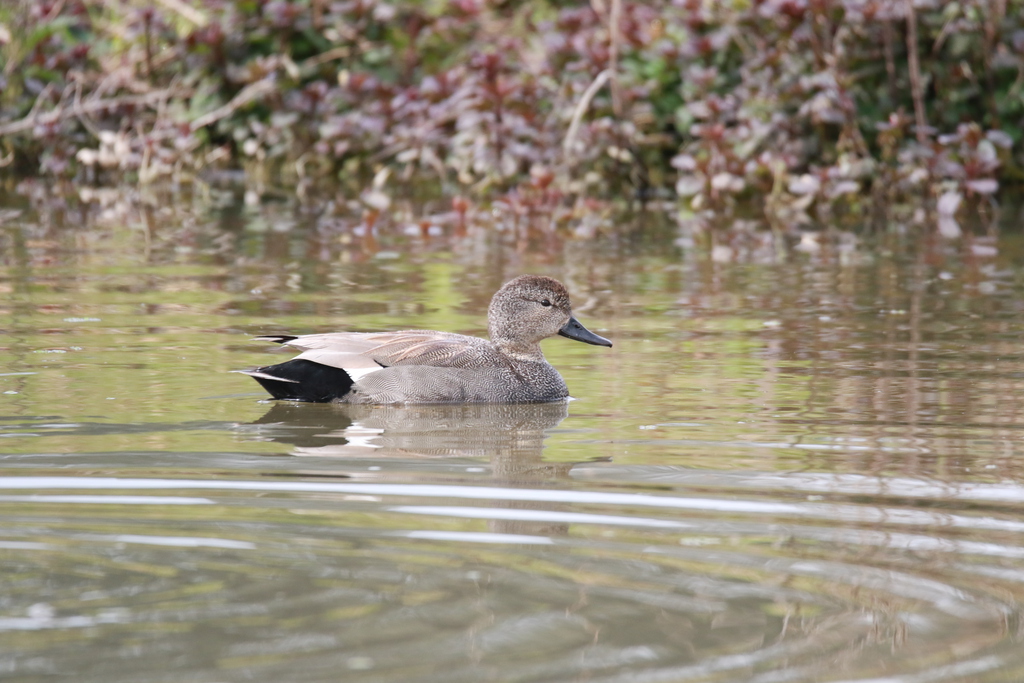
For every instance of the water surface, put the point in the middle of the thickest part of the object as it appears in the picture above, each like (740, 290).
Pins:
(799, 462)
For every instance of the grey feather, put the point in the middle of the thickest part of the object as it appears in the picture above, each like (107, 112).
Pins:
(425, 366)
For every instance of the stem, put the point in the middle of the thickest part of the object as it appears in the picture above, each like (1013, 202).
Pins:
(499, 140)
(581, 108)
(890, 60)
(614, 39)
(915, 73)
(148, 19)
(993, 16)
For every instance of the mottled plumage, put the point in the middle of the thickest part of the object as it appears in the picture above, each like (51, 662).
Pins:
(424, 366)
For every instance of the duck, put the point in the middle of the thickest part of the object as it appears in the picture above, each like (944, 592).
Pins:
(428, 366)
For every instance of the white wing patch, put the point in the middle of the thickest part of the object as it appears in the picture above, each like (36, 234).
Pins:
(257, 373)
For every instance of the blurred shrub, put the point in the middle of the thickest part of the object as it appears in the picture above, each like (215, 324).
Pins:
(830, 105)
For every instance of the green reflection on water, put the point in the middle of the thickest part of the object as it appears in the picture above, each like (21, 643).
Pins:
(800, 361)
(732, 383)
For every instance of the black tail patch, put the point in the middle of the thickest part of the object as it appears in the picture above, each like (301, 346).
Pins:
(278, 338)
(311, 382)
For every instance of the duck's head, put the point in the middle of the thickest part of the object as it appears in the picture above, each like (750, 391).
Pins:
(531, 308)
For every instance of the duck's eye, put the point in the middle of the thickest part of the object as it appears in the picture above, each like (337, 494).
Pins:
(545, 303)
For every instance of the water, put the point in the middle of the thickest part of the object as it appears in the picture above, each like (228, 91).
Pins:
(796, 464)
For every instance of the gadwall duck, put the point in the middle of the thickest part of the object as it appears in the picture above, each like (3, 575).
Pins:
(423, 366)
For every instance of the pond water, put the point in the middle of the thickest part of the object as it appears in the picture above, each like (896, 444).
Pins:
(801, 461)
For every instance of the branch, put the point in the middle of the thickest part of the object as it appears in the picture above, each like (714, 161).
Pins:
(340, 52)
(89, 107)
(915, 74)
(188, 13)
(614, 39)
(581, 107)
(265, 86)
(249, 93)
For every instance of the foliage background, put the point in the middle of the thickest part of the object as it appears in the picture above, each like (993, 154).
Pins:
(798, 111)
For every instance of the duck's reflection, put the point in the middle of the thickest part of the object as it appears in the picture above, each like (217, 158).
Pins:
(509, 437)
(441, 430)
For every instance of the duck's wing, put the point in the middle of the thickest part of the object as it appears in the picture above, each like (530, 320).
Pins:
(363, 352)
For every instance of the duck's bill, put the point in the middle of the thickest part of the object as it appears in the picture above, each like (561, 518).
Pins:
(574, 330)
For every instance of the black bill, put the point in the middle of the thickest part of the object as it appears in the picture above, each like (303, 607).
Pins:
(574, 330)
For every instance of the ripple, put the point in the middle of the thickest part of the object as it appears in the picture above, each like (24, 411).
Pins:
(309, 580)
